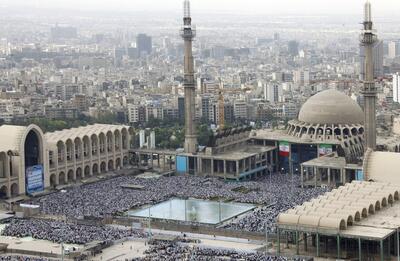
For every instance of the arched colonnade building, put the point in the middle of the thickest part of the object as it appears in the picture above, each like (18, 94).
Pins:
(62, 156)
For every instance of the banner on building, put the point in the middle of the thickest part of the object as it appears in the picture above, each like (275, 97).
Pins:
(34, 179)
(284, 148)
(181, 164)
(325, 149)
(360, 175)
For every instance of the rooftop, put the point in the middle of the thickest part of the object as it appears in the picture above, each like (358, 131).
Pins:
(54, 137)
(282, 135)
(331, 107)
(366, 210)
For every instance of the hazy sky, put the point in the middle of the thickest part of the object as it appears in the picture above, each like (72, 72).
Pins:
(307, 7)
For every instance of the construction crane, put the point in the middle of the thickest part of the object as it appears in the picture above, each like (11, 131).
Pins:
(221, 107)
(221, 102)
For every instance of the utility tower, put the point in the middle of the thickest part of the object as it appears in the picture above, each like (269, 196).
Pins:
(188, 33)
(367, 39)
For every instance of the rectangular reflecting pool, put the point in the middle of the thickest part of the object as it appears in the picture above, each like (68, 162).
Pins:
(194, 210)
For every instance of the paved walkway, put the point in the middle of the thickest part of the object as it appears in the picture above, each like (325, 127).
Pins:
(122, 251)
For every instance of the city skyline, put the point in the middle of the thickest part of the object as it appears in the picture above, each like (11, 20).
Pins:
(284, 7)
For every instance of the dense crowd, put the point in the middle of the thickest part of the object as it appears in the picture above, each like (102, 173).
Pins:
(167, 251)
(21, 258)
(58, 232)
(284, 194)
(109, 197)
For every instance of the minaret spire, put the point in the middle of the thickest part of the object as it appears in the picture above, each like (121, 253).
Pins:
(188, 33)
(367, 12)
(368, 39)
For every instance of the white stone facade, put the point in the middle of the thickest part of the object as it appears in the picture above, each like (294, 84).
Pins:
(66, 156)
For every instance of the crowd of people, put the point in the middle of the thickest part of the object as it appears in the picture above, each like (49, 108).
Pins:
(61, 232)
(275, 194)
(169, 251)
(21, 258)
(284, 193)
(110, 197)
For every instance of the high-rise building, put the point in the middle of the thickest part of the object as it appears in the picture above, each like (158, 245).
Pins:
(240, 109)
(396, 87)
(392, 50)
(293, 48)
(206, 105)
(80, 102)
(276, 36)
(144, 44)
(229, 112)
(377, 52)
(272, 92)
(301, 77)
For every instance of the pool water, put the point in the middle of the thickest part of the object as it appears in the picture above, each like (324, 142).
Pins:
(193, 210)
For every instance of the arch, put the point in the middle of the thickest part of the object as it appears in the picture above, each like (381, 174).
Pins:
(3, 192)
(364, 213)
(311, 131)
(86, 146)
(110, 165)
(70, 149)
(79, 174)
(87, 171)
(125, 161)
(14, 190)
(94, 144)
(346, 132)
(361, 130)
(354, 131)
(61, 151)
(328, 131)
(70, 176)
(117, 139)
(95, 169)
(61, 178)
(78, 148)
(110, 141)
(377, 205)
(384, 202)
(303, 131)
(371, 209)
(396, 195)
(118, 163)
(125, 139)
(103, 167)
(32, 149)
(338, 132)
(357, 215)
(53, 180)
(102, 143)
(350, 220)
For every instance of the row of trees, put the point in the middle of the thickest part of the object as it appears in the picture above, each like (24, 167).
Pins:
(49, 125)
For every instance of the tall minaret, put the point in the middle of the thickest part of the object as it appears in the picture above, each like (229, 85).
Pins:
(188, 33)
(368, 39)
